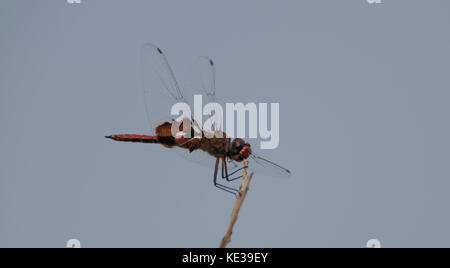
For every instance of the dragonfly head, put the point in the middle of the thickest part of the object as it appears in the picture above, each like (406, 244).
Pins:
(240, 150)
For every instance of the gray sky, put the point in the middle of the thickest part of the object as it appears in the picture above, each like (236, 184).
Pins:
(363, 93)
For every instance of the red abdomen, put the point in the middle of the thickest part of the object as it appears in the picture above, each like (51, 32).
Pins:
(134, 138)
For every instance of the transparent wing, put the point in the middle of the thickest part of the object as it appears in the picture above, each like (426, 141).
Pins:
(207, 77)
(267, 167)
(161, 89)
(198, 157)
(202, 80)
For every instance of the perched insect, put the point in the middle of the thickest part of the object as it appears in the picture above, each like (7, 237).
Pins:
(161, 92)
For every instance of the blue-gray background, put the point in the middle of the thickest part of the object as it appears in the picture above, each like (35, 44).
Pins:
(363, 90)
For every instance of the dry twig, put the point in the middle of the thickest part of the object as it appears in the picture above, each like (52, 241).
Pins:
(245, 183)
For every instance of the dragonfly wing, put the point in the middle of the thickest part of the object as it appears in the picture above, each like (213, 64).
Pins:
(161, 89)
(267, 167)
(202, 81)
(198, 157)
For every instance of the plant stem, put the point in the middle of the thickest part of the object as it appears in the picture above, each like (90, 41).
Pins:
(245, 183)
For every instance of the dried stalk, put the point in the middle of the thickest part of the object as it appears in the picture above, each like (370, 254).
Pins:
(245, 183)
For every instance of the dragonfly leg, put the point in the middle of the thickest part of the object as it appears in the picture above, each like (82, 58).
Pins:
(230, 190)
(226, 175)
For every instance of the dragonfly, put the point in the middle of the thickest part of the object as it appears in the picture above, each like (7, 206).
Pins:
(161, 91)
